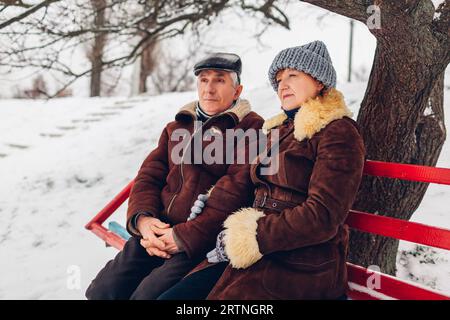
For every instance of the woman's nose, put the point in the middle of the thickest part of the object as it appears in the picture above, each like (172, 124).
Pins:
(282, 85)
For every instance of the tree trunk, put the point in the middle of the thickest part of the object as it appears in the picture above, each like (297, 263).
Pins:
(147, 65)
(96, 79)
(96, 55)
(402, 120)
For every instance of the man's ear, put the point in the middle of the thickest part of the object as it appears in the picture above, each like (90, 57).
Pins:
(238, 92)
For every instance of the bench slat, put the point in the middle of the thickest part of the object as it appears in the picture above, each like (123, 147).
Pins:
(391, 286)
(399, 229)
(409, 172)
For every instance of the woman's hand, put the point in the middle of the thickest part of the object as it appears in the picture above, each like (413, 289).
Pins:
(198, 206)
(218, 254)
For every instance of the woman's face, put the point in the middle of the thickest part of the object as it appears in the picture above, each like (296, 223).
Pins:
(295, 87)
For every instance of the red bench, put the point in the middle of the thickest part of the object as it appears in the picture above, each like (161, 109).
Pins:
(391, 287)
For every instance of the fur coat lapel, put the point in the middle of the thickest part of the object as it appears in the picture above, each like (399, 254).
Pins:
(314, 115)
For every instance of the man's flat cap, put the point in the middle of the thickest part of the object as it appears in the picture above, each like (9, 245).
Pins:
(220, 61)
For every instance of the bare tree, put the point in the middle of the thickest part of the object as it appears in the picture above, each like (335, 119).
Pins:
(95, 54)
(38, 89)
(147, 58)
(43, 39)
(30, 9)
(173, 72)
(148, 62)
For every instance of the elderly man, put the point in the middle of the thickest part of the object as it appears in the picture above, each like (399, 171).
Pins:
(167, 242)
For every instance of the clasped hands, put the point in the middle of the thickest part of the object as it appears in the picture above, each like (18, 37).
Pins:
(157, 237)
(158, 240)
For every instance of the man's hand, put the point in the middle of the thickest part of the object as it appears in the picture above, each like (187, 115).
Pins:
(166, 235)
(148, 227)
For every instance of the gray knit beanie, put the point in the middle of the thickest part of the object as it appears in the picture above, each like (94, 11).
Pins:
(312, 58)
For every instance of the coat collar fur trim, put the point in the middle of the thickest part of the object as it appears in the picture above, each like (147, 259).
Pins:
(240, 109)
(314, 115)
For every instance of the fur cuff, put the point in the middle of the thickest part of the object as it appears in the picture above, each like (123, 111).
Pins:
(241, 245)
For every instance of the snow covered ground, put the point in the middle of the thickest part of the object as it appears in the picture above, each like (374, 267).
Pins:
(62, 160)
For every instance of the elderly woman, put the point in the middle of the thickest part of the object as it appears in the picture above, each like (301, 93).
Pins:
(293, 242)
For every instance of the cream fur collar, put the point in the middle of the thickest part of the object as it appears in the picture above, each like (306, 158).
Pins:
(314, 115)
(240, 109)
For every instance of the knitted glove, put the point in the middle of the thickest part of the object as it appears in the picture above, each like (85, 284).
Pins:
(198, 206)
(218, 254)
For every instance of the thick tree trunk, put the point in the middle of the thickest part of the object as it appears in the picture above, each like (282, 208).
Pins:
(402, 120)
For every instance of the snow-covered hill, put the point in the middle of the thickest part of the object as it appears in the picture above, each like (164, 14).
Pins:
(62, 160)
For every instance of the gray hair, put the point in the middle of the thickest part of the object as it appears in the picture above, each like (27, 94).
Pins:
(235, 78)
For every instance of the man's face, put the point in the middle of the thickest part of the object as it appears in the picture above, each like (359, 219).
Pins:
(216, 90)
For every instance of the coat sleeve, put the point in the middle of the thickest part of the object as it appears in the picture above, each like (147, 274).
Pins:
(145, 196)
(231, 192)
(333, 186)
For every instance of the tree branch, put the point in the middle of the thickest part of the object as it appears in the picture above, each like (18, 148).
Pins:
(15, 3)
(355, 9)
(266, 10)
(43, 41)
(26, 13)
(441, 21)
